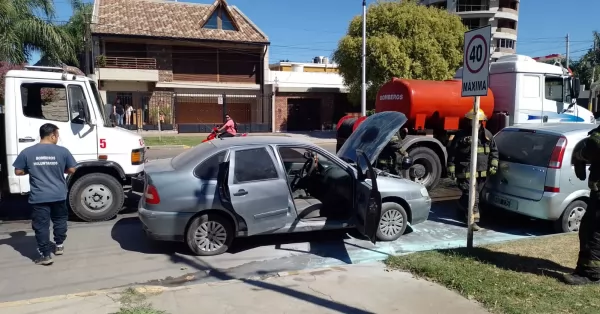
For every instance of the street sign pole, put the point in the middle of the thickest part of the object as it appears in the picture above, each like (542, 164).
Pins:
(475, 82)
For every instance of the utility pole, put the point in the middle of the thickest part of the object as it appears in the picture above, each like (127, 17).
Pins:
(363, 100)
(568, 44)
(593, 65)
(87, 42)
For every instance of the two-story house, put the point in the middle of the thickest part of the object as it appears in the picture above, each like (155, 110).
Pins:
(185, 64)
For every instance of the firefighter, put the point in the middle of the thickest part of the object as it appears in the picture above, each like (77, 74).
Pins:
(459, 161)
(588, 263)
(390, 159)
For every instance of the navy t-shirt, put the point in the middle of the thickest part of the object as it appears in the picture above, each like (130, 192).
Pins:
(46, 165)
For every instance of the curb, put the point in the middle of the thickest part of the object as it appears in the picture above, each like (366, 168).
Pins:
(160, 289)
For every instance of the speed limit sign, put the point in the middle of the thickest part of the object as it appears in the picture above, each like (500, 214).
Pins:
(476, 65)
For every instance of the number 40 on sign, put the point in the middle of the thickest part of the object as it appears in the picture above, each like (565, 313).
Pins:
(476, 65)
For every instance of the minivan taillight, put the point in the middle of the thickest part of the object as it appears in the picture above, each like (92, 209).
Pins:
(558, 153)
(151, 195)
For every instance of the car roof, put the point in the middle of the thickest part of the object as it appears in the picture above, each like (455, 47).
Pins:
(557, 128)
(259, 140)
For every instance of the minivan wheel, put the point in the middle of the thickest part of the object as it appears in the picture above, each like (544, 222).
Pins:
(209, 235)
(393, 222)
(570, 220)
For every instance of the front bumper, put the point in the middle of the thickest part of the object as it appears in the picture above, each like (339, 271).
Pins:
(138, 182)
(420, 209)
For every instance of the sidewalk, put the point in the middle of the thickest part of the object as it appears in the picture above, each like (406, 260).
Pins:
(363, 288)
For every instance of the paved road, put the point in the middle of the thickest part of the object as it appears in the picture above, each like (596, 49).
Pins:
(117, 253)
(153, 154)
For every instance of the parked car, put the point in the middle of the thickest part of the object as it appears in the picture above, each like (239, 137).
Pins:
(246, 186)
(536, 176)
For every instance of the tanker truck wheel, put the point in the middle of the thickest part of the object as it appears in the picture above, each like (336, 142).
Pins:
(426, 169)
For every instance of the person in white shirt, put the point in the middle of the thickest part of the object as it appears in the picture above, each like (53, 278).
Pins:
(128, 114)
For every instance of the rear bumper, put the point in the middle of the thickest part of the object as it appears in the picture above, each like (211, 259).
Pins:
(549, 207)
(164, 226)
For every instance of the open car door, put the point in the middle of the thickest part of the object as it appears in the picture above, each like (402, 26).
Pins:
(367, 199)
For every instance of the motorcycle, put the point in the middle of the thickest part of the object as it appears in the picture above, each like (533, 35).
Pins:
(215, 134)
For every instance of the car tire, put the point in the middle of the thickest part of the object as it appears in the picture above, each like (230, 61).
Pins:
(220, 224)
(107, 186)
(395, 216)
(420, 153)
(564, 224)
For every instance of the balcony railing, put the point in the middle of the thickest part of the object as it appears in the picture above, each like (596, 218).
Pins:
(126, 63)
(472, 7)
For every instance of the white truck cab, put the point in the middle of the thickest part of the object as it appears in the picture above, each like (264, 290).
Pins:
(528, 91)
(108, 157)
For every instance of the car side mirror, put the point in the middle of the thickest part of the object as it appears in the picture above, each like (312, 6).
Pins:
(575, 87)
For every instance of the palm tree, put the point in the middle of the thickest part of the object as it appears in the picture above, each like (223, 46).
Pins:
(26, 27)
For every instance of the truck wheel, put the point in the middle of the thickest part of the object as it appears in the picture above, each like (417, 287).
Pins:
(96, 197)
(426, 169)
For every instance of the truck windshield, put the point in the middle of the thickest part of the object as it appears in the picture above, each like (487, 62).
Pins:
(100, 104)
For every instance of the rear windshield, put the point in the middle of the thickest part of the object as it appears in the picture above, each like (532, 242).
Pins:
(192, 154)
(526, 147)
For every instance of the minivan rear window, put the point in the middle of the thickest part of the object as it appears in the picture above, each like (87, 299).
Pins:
(526, 147)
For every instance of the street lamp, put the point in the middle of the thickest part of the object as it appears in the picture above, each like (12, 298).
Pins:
(363, 101)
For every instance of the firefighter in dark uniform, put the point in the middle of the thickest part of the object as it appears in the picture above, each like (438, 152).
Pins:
(459, 161)
(390, 159)
(588, 263)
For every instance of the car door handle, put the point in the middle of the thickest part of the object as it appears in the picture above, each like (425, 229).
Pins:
(26, 140)
(240, 193)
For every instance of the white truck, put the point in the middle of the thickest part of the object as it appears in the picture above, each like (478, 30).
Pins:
(108, 158)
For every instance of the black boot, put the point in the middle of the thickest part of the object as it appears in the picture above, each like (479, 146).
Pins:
(576, 279)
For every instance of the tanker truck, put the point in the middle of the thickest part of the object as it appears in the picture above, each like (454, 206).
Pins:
(521, 90)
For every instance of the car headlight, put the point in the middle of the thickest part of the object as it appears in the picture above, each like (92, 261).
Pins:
(424, 192)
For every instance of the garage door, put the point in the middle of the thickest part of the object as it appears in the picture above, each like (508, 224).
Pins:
(207, 113)
(304, 114)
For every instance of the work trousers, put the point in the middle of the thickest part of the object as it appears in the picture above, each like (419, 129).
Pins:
(42, 215)
(463, 201)
(588, 264)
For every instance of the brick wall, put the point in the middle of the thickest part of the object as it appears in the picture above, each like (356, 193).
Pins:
(281, 108)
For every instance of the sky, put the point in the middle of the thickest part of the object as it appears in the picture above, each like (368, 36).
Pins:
(303, 29)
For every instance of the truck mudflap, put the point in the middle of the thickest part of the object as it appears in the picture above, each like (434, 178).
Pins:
(138, 182)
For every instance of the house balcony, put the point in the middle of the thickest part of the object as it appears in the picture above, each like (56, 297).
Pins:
(126, 69)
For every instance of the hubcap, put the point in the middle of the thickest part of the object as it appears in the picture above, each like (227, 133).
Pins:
(575, 218)
(210, 236)
(97, 197)
(391, 223)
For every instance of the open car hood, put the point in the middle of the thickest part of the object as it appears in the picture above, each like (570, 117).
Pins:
(372, 135)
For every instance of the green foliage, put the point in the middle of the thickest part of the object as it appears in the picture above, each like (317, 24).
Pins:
(404, 40)
(25, 28)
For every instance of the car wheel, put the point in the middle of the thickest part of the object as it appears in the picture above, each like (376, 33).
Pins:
(96, 197)
(209, 235)
(570, 220)
(426, 168)
(393, 222)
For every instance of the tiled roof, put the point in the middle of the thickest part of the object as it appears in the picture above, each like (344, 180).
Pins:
(159, 18)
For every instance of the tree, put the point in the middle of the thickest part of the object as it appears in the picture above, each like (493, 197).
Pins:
(584, 67)
(25, 27)
(404, 40)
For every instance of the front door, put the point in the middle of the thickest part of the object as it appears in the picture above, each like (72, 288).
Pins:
(367, 199)
(54, 102)
(258, 189)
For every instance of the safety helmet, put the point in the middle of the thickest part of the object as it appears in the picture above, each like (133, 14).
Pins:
(480, 115)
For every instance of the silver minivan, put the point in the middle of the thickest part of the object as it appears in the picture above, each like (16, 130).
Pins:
(536, 176)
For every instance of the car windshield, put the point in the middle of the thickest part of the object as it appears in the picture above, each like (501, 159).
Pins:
(372, 135)
(100, 104)
(526, 146)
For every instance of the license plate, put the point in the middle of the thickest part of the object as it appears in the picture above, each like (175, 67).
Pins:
(504, 202)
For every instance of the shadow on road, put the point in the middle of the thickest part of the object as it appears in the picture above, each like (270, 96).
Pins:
(22, 243)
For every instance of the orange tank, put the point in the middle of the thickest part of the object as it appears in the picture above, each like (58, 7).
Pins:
(429, 104)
